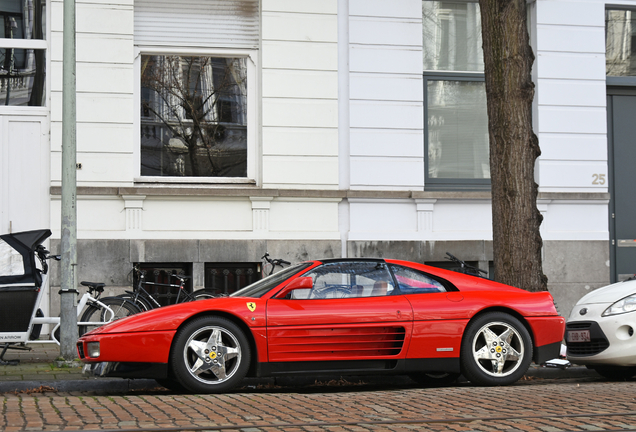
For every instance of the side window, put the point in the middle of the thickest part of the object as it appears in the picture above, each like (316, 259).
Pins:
(414, 282)
(348, 280)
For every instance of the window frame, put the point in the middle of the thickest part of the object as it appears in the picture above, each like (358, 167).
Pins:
(252, 115)
(449, 184)
(441, 184)
(616, 80)
(34, 44)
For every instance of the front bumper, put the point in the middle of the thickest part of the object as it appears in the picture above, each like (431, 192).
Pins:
(613, 338)
(126, 370)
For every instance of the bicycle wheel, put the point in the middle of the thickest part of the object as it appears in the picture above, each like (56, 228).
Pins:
(97, 314)
(138, 300)
(202, 294)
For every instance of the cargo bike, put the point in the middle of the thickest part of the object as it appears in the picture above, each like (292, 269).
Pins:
(24, 270)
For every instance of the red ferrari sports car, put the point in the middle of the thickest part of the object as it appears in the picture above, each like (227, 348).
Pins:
(336, 317)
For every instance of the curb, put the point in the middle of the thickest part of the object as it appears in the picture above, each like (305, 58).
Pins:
(82, 385)
(122, 385)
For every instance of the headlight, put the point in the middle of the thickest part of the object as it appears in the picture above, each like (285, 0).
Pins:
(93, 349)
(628, 304)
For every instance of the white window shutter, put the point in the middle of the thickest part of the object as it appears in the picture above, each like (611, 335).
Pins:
(197, 23)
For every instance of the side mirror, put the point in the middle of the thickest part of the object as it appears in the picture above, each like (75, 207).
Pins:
(298, 283)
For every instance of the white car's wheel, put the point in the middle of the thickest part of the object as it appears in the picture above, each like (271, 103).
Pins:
(210, 355)
(496, 349)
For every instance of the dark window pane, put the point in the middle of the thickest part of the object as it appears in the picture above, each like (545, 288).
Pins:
(160, 283)
(620, 35)
(457, 130)
(452, 36)
(23, 19)
(193, 116)
(227, 278)
(22, 77)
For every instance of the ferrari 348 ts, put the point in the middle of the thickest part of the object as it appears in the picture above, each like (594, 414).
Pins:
(336, 317)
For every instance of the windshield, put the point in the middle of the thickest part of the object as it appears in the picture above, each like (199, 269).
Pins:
(261, 287)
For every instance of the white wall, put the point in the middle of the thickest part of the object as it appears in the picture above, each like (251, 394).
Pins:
(299, 94)
(105, 82)
(386, 95)
(571, 98)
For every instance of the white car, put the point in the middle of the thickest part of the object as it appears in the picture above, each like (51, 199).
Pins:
(600, 331)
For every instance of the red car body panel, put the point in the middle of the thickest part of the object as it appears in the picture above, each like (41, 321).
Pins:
(402, 326)
(153, 347)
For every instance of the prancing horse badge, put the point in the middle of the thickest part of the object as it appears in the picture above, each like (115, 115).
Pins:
(251, 306)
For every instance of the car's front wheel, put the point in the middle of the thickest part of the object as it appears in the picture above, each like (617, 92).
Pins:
(210, 355)
(496, 349)
(616, 373)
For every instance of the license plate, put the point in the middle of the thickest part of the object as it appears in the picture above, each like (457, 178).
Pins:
(579, 336)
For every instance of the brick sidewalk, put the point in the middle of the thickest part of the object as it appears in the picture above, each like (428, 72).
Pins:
(522, 407)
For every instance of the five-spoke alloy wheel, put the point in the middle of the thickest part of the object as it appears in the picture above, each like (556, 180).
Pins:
(496, 349)
(210, 355)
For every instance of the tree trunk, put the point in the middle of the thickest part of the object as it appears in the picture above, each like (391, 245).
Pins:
(514, 147)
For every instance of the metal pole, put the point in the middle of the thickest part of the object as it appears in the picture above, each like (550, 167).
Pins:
(68, 307)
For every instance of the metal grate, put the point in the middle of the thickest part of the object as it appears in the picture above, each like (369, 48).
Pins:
(226, 278)
(595, 346)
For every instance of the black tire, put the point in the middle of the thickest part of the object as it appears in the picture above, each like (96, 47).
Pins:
(202, 294)
(99, 315)
(210, 355)
(615, 373)
(496, 350)
(435, 378)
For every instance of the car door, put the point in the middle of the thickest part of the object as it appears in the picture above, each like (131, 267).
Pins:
(350, 313)
(438, 316)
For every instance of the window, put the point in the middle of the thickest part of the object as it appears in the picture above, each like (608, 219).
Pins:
(159, 280)
(456, 138)
(23, 53)
(348, 279)
(620, 43)
(227, 278)
(414, 282)
(193, 116)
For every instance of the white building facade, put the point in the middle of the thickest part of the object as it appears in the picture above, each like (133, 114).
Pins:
(212, 131)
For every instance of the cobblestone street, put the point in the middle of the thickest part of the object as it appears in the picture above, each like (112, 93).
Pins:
(585, 404)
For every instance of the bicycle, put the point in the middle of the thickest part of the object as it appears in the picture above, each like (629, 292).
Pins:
(146, 301)
(271, 264)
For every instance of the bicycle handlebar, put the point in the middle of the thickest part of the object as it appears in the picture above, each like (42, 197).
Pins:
(466, 268)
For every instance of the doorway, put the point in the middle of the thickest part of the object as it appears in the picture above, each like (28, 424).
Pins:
(621, 134)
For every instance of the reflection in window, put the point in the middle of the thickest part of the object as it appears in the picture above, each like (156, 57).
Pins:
(620, 43)
(414, 282)
(452, 36)
(457, 130)
(22, 71)
(22, 77)
(348, 279)
(193, 116)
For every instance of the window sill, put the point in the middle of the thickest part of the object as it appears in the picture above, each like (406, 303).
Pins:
(195, 180)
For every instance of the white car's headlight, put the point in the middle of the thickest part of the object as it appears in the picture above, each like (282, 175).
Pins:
(627, 304)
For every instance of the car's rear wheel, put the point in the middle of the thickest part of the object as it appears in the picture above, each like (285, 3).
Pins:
(616, 372)
(210, 355)
(434, 378)
(496, 349)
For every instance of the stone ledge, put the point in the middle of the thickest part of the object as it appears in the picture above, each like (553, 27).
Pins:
(221, 191)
